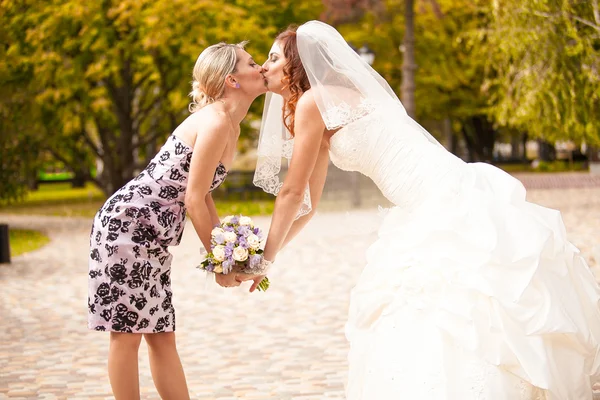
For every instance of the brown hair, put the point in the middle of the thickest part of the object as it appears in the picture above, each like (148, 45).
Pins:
(294, 76)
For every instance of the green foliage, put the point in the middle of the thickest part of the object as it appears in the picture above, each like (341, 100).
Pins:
(82, 82)
(109, 79)
(544, 70)
(450, 65)
(530, 66)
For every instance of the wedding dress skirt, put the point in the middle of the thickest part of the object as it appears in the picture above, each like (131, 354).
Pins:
(475, 294)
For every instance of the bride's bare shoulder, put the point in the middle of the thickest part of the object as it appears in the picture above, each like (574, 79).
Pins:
(307, 106)
(308, 110)
(307, 98)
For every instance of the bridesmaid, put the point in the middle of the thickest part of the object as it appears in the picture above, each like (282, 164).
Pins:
(130, 265)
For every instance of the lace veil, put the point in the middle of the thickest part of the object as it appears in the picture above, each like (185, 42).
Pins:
(345, 89)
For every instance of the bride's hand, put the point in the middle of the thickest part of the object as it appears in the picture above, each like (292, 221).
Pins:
(229, 280)
(257, 280)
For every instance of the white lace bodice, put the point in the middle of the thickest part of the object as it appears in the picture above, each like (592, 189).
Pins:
(403, 163)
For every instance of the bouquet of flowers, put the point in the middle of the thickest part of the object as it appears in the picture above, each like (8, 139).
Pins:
(235, 242)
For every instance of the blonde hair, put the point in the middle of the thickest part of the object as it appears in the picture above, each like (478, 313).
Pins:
(212, 67)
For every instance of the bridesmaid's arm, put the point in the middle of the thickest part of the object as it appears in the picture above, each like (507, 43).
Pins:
(308, 149)
(212, 209)
(208, 149)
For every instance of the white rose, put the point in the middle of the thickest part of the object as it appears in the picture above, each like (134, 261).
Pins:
(219, 253)
(230, 237)
(240, 254)
(253, 241)
(217, 231)
(245, 221)
(218, 269)
(227, 219)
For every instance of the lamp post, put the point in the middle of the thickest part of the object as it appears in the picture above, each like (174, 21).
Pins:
(368, 56)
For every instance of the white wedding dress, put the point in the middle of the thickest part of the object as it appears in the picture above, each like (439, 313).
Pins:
(470, 292)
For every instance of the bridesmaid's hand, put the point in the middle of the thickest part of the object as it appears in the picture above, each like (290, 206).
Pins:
(229, 280)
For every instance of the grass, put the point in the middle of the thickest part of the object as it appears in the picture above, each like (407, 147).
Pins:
(261, 207)
(57, 193)
(24, 240)
(60, 199)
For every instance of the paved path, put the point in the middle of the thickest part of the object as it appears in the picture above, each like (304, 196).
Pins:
(559, 180)
(285, 344)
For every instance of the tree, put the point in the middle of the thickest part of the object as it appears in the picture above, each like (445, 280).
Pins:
(18, 156)
(450, 51)
(19, 144)
(453, 50)
(544, 73)
(110, 78)
(409, 64)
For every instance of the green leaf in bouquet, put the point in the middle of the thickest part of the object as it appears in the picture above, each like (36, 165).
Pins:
(264, 285)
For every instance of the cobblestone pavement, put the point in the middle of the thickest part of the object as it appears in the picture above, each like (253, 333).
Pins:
(287, 343)
(560, 180)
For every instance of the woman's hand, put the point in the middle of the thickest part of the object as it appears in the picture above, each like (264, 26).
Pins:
(257, 280)
(234, 279)
(227, 280)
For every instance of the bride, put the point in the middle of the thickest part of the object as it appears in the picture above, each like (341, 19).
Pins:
(470, 292)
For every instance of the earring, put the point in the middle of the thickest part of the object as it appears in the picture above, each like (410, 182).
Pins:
(237, 85)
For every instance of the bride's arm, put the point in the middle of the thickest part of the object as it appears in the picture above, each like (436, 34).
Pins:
(308, 153)
(316, 184)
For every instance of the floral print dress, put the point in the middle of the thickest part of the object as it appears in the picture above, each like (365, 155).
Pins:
(129, 286)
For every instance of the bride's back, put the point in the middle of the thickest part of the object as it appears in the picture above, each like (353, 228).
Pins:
(380, 143)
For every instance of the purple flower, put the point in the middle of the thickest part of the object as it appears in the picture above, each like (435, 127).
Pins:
(235, 220)
(229, 229)
(219, 239)
(210, 267)
(256, 231)
(243, 230)
(227, 264)
(243, 243)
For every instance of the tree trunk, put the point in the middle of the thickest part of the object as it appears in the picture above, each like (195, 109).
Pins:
(32, 180)
(593, 154)
(409, 64)
(525, 139)
(79, 179)
(480, 137)
(451, 140)
(118, 157)
(546, 151)
(515, 146)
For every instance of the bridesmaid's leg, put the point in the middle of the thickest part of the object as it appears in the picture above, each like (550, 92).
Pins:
(166, 367)
(123, 365)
